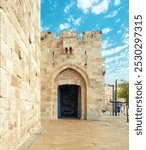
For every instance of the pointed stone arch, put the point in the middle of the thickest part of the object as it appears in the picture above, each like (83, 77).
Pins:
(57, 70)
(69, 75)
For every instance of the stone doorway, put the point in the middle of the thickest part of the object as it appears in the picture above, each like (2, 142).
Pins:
(71, 76)
(69, 101)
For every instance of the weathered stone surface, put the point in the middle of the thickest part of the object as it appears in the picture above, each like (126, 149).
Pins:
(19, 62)
(24, 65)
(108, 97)
(109, 134)
(68, 61)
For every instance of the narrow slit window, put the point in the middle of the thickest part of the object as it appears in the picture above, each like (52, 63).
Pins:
(66, 49)
(70, 50)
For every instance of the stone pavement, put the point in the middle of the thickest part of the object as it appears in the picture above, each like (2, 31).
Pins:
(70, 134)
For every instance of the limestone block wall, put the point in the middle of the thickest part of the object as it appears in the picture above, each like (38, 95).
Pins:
(19, 71)
(108, 97)
(82, 56)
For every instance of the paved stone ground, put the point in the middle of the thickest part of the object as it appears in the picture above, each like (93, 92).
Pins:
(69, 134)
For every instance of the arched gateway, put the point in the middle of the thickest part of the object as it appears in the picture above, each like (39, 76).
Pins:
(72, 76)
(69, 92)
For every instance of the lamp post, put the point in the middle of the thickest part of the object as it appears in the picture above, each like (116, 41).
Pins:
(115, 98)
(113, 105)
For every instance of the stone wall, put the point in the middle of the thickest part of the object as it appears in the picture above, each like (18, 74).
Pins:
(108, 97)
(19, 71)
(80, 56)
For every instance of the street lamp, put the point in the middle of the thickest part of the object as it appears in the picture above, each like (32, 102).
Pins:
(113, 108)
(116, 98)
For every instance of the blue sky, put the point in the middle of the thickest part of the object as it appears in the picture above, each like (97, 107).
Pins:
(109, 16)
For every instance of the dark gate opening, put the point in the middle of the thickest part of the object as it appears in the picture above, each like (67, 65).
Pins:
(69, 101)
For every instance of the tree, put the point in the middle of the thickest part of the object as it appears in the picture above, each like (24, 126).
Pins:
(123, 92)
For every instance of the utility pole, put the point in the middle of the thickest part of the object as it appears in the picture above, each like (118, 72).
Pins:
(116, 98)
(113, 97)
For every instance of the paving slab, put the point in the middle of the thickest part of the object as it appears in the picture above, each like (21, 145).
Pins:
(72, 134)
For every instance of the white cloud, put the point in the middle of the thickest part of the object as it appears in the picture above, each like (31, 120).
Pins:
(124, 31)
(107, 43)
(113, 51)
(120, 74)
(125, 37)
(67, 7)
(75, 22)
(111, 15)
(64, 26)
(123, 63)
(119, 31)
(100, 7)
(85, 5)
(95, 6)
(115, 58)
(45, 28)
(106, 30)
(117, 70)
(117, 2)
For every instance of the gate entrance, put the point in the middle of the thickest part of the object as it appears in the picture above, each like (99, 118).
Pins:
(69, 101)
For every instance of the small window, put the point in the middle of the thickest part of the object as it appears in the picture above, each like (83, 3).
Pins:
(70, 50)
(66, 49)
(86, 58)
(53, 58)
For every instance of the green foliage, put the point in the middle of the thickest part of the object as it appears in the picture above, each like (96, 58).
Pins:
(123, 91)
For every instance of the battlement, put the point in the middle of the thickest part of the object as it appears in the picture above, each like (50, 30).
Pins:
(91, 35)
(68, 34)
(68, 41)
(74, 35)
(47, 35)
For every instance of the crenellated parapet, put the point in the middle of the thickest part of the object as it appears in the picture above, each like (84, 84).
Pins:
(69, 41)
(92, 35)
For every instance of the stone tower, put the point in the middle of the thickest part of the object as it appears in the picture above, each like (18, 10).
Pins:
(72, 75)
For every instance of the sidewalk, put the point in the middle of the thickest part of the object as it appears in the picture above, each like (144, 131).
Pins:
(65, 134)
